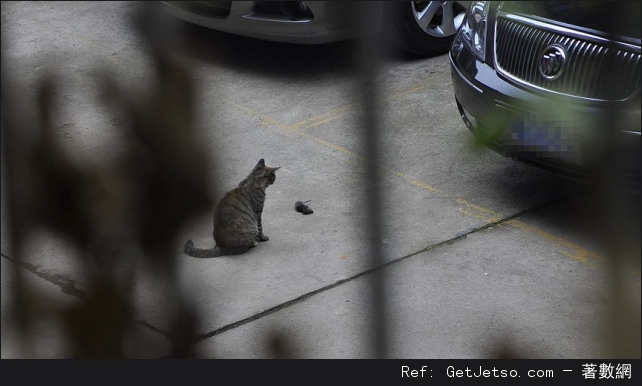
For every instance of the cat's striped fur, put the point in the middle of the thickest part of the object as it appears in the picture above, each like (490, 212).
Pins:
(237, 216)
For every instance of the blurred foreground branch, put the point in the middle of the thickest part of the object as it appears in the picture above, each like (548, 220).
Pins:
(110, 213)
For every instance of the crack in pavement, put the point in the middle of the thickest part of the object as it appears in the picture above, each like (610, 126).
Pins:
(459, 236)
(68, 286)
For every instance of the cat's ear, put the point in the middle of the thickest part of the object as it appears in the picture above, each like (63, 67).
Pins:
(261, 162)
(276, 168)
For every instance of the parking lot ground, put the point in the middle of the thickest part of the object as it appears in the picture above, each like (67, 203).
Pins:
(480, 250)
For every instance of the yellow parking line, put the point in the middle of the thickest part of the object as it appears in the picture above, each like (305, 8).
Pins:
(411, 180)
(403, 91)
(350, 108)
(477, 211)
(565, 247)
(325, 117)
(265, 120)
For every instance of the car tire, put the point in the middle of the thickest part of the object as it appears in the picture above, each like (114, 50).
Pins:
(423, 27)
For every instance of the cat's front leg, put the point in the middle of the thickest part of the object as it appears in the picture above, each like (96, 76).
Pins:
(260, 236)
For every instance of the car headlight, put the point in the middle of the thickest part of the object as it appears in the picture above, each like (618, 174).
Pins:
(473, 29)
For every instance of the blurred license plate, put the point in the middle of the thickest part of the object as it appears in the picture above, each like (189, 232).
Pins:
(538, 135)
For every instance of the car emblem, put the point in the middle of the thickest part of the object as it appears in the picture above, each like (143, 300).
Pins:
(551, 62)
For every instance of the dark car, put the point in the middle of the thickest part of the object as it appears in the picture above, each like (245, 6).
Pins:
(555, 84)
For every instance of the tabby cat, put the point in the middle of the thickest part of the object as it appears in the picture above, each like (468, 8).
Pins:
(237, 216)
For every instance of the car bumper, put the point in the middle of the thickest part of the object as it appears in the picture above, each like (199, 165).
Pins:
(328, 21)
(560, 135)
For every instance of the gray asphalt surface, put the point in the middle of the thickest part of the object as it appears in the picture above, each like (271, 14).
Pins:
(484, 251)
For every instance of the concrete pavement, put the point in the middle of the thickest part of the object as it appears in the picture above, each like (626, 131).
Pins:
(482, 250)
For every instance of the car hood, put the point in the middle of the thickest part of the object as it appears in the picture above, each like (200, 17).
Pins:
(620, 18)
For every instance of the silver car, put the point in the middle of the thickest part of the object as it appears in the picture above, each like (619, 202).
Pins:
(422, 27)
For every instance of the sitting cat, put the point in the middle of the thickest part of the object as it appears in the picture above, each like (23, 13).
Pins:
(237, 216)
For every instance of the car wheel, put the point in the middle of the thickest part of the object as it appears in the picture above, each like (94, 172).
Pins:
(423, 27)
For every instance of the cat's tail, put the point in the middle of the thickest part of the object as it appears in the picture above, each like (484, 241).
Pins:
(190, 250)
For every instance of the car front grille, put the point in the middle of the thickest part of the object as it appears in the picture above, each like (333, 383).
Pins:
(520, 45)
